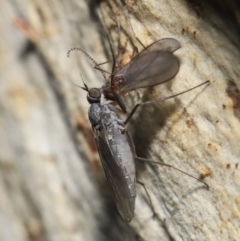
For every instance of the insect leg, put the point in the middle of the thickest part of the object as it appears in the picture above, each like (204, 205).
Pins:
(120, 28)
(100, 69)
(119, 35)
(117, 98)
(160, 99)
(170, 166)
(159, 163)
(150, 200)
(126, 12)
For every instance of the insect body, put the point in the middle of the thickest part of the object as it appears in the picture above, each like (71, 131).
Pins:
(115, 153)
(154, 65)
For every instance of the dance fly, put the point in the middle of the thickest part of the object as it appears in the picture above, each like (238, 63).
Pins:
(117, 151)
(154, 65)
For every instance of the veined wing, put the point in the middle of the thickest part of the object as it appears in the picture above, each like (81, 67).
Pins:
(154, 65)
(121, 182)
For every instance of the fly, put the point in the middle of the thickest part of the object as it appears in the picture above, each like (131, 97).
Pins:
(114, 151)
(117, 151)
(154, 65)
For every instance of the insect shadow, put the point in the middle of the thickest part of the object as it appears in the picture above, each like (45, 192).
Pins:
(141, 134)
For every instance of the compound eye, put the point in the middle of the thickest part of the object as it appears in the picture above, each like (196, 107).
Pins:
(94, 95)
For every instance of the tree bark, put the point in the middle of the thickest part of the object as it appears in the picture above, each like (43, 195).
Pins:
(51, 181)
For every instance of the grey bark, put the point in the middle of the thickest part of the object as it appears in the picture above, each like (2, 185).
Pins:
(52, 186)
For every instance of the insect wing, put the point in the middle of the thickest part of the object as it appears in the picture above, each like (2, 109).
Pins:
(154, 65)
(116, 174)
(165, 44)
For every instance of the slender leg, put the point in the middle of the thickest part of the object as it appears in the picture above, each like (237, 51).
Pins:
(119, 35)
(167, 165)
(120, 29)
(160, 99)
(100, 69)
(150, 200)
(159, 163)
(114, 66)
(130, 24)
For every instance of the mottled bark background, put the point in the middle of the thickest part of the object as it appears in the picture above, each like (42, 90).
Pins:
(52, 186)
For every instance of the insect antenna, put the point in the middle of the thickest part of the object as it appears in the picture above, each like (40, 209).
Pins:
(85, 85)
(84, 52)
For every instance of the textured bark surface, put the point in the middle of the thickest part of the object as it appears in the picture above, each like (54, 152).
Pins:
(51, 182)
